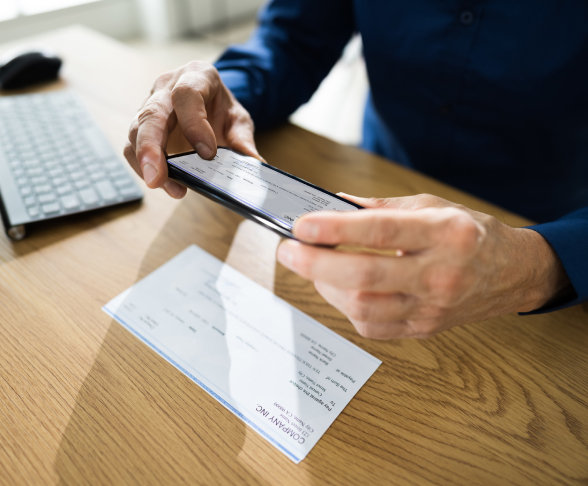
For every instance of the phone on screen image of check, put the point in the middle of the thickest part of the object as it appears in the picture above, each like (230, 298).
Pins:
(254, 189)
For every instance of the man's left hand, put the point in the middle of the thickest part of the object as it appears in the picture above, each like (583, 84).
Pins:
(455, 265)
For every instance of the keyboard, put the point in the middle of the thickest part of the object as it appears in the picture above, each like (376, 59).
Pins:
(55, 161)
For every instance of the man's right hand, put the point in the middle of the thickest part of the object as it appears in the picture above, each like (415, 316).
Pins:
(194, 97)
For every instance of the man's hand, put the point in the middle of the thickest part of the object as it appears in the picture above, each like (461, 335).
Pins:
(208, 114)
(456, 265)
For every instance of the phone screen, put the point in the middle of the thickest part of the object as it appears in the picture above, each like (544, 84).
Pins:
(261, 187)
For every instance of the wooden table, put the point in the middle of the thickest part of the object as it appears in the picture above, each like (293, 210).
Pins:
(82, 401)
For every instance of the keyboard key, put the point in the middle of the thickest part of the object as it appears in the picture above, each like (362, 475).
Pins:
(65, 189)
(72, 167)
(26, 191)
(70, 202)
(29, 200)
(106, 190)
(46, 198)
(33, 212)
(97, 176)
(129, 191)
(81, 183)
(22, 181)
(51, 208)
(93, 167)
(89, 196)
(39, 180)
(77, 175)
(59, 181)
(52, 165)
(55, 172)
(41, 189)
(37, 171)
(118, 171)
(18, 172)
(125, 181)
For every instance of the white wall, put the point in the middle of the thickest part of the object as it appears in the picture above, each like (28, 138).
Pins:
(165, 19)
(160, 20)
(116, 18)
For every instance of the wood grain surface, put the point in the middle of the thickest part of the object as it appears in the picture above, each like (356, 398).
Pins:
(82, 401)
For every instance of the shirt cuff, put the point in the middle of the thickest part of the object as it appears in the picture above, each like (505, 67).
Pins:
(569, 239)
(243, 88)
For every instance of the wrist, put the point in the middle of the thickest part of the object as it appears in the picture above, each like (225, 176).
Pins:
(545, 279)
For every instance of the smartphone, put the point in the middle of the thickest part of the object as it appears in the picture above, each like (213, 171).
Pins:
(253, 189)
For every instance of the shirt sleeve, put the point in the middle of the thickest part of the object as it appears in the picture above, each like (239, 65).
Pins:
(294, 47)
(568, 236)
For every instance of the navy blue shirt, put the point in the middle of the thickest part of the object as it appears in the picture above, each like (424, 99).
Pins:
(488, 96)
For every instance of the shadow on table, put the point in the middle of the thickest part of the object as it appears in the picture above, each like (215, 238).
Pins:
(137, 419)
(46, 233)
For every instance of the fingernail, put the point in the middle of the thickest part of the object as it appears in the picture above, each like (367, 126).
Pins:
(203, 150)
(285, 255)
(173, 189)
(149, 173)
(307, 231)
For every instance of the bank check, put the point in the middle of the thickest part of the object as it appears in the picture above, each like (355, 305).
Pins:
(283, 373)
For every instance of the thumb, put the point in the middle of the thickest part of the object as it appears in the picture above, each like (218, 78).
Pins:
(419, 201)
(372, 202)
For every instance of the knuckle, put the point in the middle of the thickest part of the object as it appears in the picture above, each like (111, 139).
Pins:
(240, 115)
(358, 308)
(368, 276)
(465, 232)
(153, 110)
(427, 328)
(444, 281)
(426, 200)
(133, 129)
(383, 232)
(163, 80)
(434, 311)
(377, 202)
(181, 91)
(201, 66)
(204, 70)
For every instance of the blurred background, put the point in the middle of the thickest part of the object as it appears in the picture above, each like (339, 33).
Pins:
(177, 31)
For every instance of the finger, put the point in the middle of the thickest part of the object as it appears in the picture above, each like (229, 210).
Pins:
(174, 189)
(131, 157)
(240, 136)
(133, 130)
(370, 273)
(155, 121)
(190, 96)
(409, 202)
(389, 228)
(375, 308)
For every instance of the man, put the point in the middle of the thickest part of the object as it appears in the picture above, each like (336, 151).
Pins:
(491, 97)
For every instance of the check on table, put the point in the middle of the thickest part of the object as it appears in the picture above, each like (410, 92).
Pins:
(283, 373)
